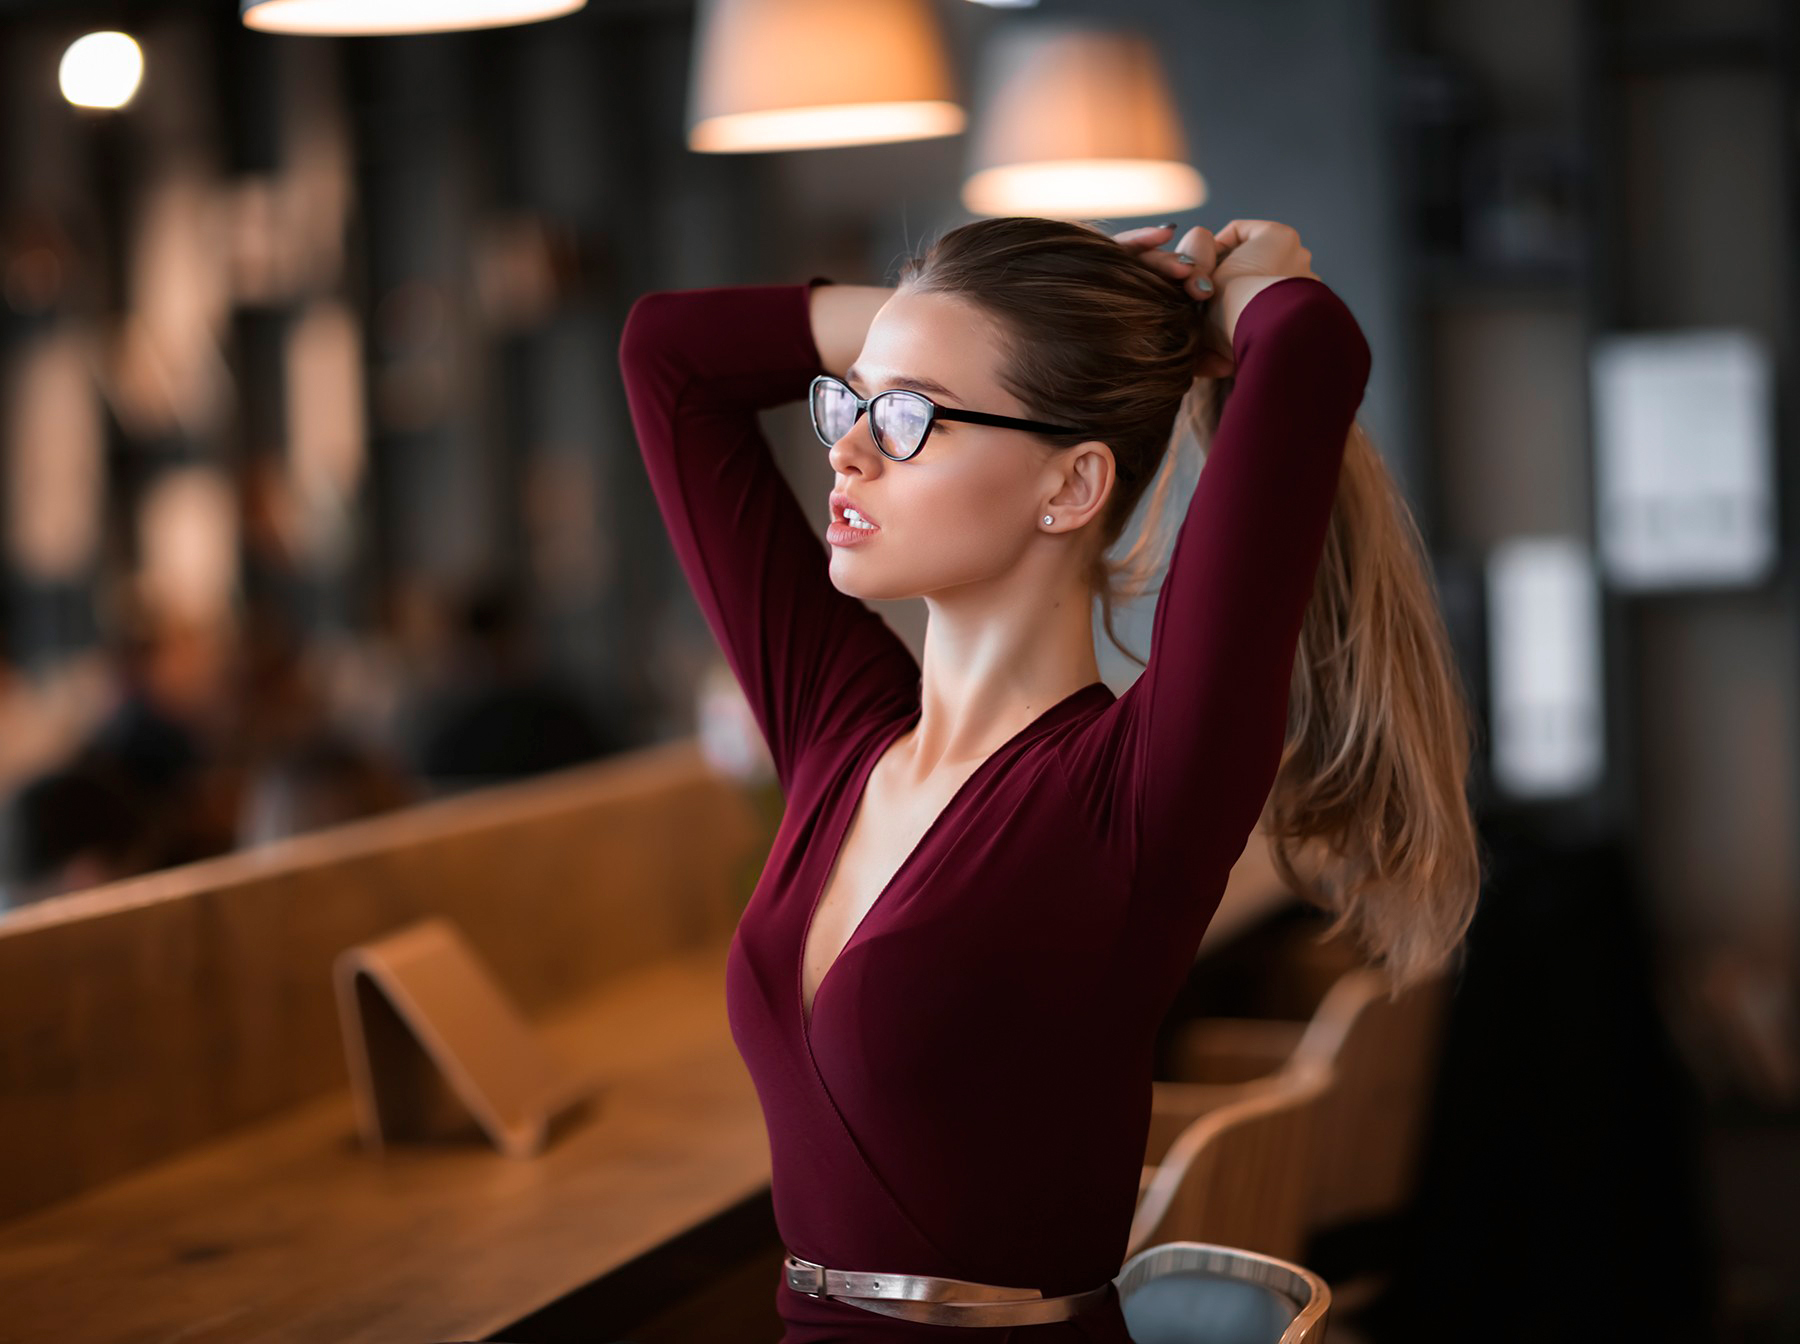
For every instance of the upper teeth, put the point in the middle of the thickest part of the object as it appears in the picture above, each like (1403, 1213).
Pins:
(855, 519)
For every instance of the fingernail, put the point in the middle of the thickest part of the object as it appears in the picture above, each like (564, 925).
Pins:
(1202, 284)
(1169, 225)
(1182, 256)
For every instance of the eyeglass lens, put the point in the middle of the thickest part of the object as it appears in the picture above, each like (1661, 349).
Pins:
(899, 417)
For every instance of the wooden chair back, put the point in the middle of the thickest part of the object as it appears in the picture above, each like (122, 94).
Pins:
(1382, 1056)
(1238, 1173)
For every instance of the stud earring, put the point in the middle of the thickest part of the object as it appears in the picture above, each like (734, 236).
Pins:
(1046, 518)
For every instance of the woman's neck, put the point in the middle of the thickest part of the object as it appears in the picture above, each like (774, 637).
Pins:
(992, 664)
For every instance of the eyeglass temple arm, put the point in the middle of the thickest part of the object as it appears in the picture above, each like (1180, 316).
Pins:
(1005, 421)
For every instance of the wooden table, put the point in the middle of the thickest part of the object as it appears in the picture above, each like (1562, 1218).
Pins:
(289, 1231)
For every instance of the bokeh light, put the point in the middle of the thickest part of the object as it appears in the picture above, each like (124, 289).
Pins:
(101, 70)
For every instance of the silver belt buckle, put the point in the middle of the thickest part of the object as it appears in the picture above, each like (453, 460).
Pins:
(804, 1276)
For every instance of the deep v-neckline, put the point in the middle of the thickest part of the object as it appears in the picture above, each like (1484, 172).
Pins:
(859, 786)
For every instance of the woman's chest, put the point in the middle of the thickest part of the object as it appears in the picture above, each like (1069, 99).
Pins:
(911, 918)
(889, 822)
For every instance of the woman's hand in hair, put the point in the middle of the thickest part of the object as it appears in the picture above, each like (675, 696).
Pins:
(1255, 254)
(1192, 261)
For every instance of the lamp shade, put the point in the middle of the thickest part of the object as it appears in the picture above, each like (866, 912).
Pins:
(803, 74)
(369, 18)
(1075, 121)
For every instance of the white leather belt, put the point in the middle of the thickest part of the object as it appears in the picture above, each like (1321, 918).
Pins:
(940, 1301)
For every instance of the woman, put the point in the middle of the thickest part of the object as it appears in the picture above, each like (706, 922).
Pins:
(992, 873)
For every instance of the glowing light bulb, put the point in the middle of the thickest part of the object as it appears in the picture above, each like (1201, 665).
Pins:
(101, 70)
(360, 18)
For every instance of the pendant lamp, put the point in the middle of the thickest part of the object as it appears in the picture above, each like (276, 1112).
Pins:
(1075, 121)
(370, 18)
(804, 74)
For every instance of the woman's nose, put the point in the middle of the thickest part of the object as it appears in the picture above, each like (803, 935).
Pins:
(855, 447)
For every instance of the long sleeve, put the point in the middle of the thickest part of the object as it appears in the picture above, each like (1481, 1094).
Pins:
(698, 365)
(1195, 741)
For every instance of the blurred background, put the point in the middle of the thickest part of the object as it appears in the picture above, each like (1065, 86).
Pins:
(319, 496)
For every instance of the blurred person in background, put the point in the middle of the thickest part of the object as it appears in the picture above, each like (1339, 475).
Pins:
(505, 715)
(300, 770)
(322, 782)
(162, 735)
(76, 826)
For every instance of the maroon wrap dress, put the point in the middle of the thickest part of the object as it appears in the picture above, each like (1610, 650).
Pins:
(972, 1095)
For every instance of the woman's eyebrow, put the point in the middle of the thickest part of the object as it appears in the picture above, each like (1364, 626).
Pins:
(924, 385)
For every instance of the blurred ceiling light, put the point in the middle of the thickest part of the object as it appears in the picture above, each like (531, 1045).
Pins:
(101, 70)
(374, 18)
(803, 74)
(1007, 4)
(1075, 121)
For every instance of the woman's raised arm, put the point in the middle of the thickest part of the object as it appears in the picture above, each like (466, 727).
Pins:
(698, 365)
(1198, 737)
(841, 316)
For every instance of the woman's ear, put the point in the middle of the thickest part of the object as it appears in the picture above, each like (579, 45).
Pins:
(1088, 471)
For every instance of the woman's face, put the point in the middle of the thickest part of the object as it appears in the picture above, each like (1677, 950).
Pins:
(967, 505)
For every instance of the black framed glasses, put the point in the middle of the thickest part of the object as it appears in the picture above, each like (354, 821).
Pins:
(900, 420)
